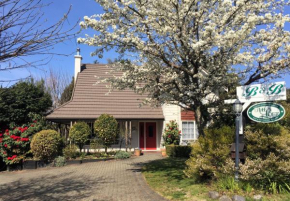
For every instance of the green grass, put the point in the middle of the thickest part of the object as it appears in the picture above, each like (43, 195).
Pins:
(166, 177)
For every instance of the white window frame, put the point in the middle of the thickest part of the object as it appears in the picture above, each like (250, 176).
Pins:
(194, 130)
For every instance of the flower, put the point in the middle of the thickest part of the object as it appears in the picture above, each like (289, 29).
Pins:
(14, 137)
(34, 121)
(11, 158)
(1, 134)
(6, 130)
(31, 125)
(5, 145)
(24, 139)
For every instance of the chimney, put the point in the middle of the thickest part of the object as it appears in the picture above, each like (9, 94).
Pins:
(78, 63)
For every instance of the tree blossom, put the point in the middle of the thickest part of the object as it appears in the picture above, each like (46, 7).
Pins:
(181, 52)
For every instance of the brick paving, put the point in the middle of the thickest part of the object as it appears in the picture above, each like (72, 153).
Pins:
(98, 181)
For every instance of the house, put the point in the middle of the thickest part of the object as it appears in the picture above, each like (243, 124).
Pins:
(144, 124)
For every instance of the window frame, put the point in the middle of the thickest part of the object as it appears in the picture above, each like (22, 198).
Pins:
(194, 130)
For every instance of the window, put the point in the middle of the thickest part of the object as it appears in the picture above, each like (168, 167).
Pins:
(188, 130)
(150, 131)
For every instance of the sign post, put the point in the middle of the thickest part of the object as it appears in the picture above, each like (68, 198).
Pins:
(265, 112)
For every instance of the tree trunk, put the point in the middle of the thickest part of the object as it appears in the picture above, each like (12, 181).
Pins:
(201, 118)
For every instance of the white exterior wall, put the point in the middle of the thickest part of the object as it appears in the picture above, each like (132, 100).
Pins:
(171, 112)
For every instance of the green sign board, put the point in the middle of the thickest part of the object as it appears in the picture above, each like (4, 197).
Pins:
(266, 112)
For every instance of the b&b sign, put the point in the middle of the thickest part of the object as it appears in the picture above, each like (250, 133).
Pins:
(266, 112)
(262, 92)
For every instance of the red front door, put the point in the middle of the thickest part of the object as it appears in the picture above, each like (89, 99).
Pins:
(150, 135)
(147, 139)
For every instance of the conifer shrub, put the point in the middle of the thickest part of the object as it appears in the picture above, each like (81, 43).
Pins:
(209, 153)
(46, 145)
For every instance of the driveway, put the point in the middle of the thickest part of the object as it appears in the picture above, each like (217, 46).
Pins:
(107, 181)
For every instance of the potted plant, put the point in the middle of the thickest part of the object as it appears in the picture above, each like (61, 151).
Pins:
(137, 152)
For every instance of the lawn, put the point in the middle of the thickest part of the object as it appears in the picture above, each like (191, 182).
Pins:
(166, 177)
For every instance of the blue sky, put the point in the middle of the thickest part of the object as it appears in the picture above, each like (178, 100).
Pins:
(80, 8)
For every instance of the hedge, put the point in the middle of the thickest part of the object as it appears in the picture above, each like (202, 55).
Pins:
(178, 151)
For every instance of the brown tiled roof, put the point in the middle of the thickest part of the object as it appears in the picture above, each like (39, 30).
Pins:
(90, 100)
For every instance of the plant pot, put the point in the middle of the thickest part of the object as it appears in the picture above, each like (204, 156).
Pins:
(163, 152)
(137, 152)
(14, 167)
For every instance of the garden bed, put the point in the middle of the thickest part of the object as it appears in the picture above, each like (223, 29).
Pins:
(167, 178)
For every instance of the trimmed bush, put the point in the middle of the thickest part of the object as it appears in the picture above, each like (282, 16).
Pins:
(60, 161)
(178, 151)
(46, 145)
(122, 155)
(79, 134)
(107, 130)
(70, 151)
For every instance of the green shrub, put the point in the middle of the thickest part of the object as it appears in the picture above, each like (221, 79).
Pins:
(267, 166)
(107, 130)
(263, 140)
(122, 155)
(46, 145)
(209, 153)
(79, 133)
(171, 133)
(70, 151)
(270, 174)
(60, 161)
(178, 151)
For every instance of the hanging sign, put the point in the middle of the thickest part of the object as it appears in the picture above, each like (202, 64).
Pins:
(262, 92)
(266, 112)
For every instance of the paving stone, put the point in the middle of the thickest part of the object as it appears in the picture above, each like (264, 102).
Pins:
(105, 180)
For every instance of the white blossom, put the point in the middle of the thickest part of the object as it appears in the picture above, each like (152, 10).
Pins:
(184, 50)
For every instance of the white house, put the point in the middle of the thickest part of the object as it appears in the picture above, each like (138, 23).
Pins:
(144, 124)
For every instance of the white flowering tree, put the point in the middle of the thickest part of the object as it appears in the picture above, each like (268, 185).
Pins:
(183, 50)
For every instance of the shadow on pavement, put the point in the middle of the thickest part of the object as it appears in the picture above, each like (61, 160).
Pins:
(47, 188)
